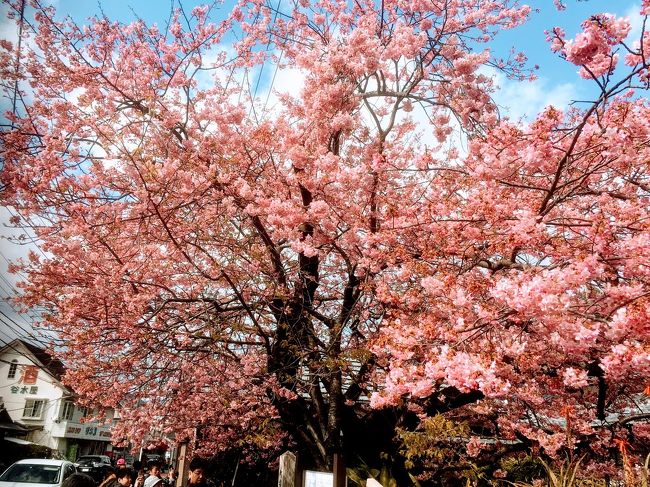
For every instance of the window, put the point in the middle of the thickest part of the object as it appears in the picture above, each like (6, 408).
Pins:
(31, 473)
(68, 411)
(12, 369)
(34, 408)
(69, 470)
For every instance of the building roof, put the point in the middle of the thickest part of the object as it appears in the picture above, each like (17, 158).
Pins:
(8, 425)
(52, 366)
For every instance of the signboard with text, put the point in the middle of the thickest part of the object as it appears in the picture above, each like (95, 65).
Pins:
(24, 390)
(87, 432)
(29, 375)
(318, 479)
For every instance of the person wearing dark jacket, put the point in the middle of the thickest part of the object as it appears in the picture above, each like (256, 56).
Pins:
(110, 480)
(78, 480)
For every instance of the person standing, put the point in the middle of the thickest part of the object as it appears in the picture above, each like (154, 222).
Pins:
(171, 477)
(153, 481)
(137, 473)
(124, 477)
(110, 480)
(154, 469)
(197, 475)
(139, 479)
(79, 480)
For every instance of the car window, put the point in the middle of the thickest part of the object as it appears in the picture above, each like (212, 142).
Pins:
(69, 470)
(31, 473)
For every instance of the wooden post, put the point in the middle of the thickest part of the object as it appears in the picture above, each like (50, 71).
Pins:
(287, 470)
(339, 471)
(298, 479)
(183, 465)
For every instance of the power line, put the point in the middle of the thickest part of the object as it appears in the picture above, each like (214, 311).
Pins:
(23, 332)
(44, 365)
(49, 403)
(18, 54)
(7, 289)
(7, 320)
(268, 94)
(268, 44)
(13, 293)
(33, 239)
(9, 263)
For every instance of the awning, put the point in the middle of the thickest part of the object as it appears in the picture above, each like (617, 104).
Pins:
(8, 425)
(18, 441)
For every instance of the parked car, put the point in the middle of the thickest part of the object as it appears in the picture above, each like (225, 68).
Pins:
(97, 466)
(36, 472)
(154, 458)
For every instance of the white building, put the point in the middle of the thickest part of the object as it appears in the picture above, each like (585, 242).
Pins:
(33, 395)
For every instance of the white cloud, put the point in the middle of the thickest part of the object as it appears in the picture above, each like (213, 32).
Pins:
(8, 27)
(523, 100)
(636, 22)
(280, 81)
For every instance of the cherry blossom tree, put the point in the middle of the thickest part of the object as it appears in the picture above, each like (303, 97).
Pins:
(529, 291)
(261, 275)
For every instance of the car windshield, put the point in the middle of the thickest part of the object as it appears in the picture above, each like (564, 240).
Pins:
(32, 473)
(86, 460)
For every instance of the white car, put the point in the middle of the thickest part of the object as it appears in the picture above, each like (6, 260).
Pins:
(36, 472)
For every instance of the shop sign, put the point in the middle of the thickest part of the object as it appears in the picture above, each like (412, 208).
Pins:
(29, 375)
(87, 432)
(27, 381)
(24, 390)
(318, 479)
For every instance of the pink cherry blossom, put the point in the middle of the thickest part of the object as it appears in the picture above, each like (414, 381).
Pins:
(246, 275)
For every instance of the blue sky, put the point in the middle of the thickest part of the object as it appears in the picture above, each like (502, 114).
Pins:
(529, 37)
(558, 81)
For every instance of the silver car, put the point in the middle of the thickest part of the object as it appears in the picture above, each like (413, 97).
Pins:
(36, 472)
